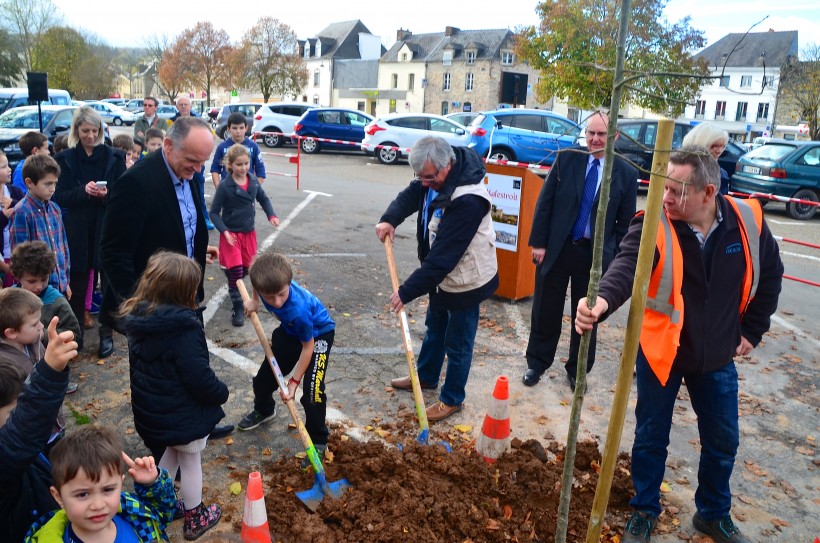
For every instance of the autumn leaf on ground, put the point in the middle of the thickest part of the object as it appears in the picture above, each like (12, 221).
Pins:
(665, 487)
(492, 524)
(301, 454)
(267, 451)
(778, 522)
(508, 512)
(235, 488)
(463, 428)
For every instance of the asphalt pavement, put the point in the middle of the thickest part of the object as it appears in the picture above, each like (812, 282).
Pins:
(327, 232)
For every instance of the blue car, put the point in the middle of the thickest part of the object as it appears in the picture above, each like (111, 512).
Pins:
(523, 135)
(784, 168)
(331, 123)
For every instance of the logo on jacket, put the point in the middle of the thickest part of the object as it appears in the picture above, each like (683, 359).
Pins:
(734, 248)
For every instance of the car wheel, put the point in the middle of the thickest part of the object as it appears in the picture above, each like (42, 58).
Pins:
(502, 153)
(273, 140)
(225, 135)
(803, 212)
(387, 155)
(310, 146)
(117, 121)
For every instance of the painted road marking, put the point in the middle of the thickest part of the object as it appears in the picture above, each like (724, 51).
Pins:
(222, 292)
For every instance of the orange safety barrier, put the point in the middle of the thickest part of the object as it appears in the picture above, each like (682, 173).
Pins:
(255, 519)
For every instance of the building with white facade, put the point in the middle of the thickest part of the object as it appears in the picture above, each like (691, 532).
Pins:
(338, 41)
(743, 97)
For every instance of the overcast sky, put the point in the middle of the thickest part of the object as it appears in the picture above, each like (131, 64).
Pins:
(128, 23)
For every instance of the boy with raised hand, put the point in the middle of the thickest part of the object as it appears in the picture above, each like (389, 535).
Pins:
(236, 128)
(27, 411)
(87, 471)
(301, 344)
(32, 263)
(36, 217)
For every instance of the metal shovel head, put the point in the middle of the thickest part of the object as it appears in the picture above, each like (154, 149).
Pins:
(312, 497)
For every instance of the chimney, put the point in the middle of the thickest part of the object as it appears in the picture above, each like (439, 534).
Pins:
(450, 30)
(401, 34)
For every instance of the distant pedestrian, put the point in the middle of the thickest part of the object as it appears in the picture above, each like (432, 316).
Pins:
(237, 125)
(233, 211)
(175, 395)
(9, 196)
(149, 119)
(715, 139)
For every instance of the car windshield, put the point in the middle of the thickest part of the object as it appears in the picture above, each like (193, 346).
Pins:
(16, 118)
(771, 151)
(4, 102)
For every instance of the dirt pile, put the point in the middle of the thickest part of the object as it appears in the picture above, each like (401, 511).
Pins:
(426, 494)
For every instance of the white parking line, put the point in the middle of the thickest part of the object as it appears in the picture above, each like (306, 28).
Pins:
(798, 255)
(219, 295)
(789, 326)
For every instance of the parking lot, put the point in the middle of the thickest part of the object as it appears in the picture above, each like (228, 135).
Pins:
(327, 232)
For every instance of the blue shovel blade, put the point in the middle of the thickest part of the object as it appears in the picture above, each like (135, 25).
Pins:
(321, 488)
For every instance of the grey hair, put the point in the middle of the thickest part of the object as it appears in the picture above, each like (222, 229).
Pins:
(705, 169)
(85, 114)
(184, 98)
(182, 127)
(705, 135)
(435, 150)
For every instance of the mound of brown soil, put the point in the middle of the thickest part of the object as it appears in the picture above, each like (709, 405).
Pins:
(425, 494)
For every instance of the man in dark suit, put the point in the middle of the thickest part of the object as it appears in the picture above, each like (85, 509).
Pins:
(563, 225)
(152, 207)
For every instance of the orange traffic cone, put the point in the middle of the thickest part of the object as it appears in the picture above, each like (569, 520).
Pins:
(255, 520)
(495, 433)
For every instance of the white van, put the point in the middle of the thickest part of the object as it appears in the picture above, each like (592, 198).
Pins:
(16, 97)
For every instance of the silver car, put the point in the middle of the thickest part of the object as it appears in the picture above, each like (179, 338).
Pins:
(113, 114)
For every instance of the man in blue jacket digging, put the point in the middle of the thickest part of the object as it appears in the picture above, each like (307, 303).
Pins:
(456, 247)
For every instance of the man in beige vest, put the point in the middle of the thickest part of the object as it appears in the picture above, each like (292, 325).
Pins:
(456, 247)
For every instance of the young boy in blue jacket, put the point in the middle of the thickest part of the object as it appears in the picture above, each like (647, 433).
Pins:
(301, 344)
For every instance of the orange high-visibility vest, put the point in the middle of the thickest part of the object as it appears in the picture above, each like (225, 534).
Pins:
(663, 314)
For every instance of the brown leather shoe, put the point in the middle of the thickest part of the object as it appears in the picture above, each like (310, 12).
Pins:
(404, 383)
(440, 411)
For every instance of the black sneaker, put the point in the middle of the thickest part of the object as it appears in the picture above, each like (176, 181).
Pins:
(254, 419)
(722, 529)
(639, 527)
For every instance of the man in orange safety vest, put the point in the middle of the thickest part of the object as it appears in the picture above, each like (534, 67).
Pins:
(715, 284)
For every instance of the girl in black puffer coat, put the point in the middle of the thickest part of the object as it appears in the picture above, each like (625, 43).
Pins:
(175, 395)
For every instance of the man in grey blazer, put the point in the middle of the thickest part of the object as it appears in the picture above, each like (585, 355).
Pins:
(563, 225)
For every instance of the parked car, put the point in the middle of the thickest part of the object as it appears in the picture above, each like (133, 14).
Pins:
(463, 117)
(731, 154)
(404, 129)
(279, 117)
(331, 123)
(783, 168)
(525, 135)
(18, 96)
(166, 111)
(119, 102)
(248, 109)
(17, 121)
(113, 114)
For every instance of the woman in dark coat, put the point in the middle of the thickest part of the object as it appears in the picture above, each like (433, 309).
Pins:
(82, 196)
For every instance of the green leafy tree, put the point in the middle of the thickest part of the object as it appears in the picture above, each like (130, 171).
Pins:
(574, 47)
(60, 52)
(205, 52)
(800, 89)
(28, 21)
(269, 54)
(11, 64)
(95, 75)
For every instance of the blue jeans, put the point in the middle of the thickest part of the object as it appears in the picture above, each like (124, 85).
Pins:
(714, 400)
(451, 333)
